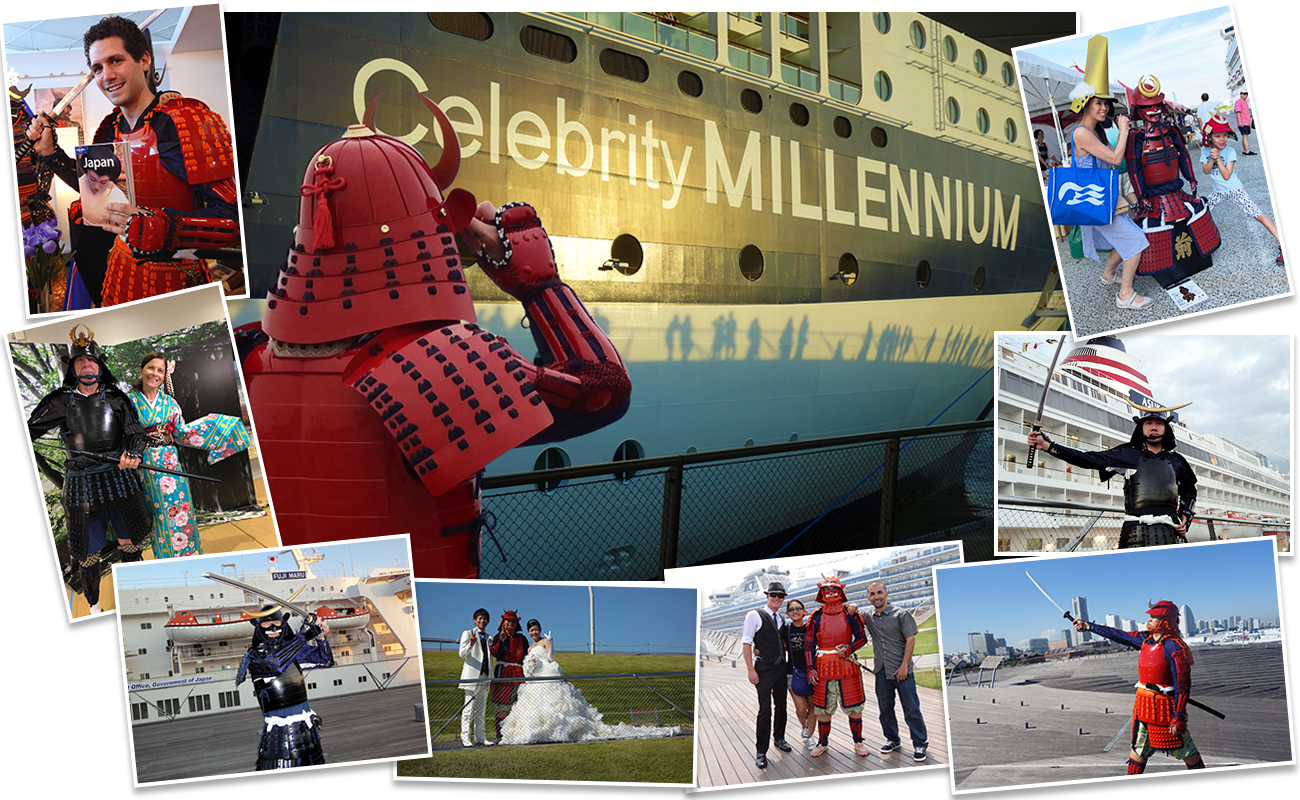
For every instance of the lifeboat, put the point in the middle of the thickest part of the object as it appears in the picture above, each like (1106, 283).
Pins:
(185, 628)
(344, 617)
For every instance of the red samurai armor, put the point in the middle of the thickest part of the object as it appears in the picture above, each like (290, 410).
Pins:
(829, 627)
(1165, 664)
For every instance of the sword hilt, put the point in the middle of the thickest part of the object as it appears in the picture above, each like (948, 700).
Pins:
(1033, 450)
(26, 145)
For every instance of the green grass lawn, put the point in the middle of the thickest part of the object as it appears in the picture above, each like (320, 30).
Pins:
(649, 700)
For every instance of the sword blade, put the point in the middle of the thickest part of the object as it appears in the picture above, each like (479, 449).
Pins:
(262, 593)
(1045, 594)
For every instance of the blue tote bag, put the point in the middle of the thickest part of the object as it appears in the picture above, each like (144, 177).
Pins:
(1082, 196)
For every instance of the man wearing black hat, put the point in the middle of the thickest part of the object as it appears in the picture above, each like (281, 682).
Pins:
(764, 650)
(95, 418)
(1159, 485)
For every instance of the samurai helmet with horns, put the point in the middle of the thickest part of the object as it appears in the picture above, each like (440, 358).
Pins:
(375, 243)
(830, 591)
(1165, 615)
(84, 344)
(276, 614)
(1165, 415)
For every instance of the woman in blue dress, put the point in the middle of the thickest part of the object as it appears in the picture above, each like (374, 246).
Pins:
(174, 532)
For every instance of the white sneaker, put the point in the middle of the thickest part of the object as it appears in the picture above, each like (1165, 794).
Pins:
(95, 609)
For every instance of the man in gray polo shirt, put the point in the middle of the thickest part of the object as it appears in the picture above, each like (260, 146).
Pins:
(893, 635)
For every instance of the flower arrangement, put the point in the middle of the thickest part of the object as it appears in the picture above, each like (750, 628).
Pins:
(45, 259)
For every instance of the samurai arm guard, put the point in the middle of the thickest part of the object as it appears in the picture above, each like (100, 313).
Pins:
(242, 673)
(859, 635)
(1116, 635)
(158, 234)
(1131, 152)
(134, 439)
(1186, 487)
(1179, 657)
(1184, 159)
(48, 414)
(316, 655)
(62, 165)
(581, 371)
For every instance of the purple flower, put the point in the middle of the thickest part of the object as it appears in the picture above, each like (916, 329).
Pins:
(29, 251)
(49, 246)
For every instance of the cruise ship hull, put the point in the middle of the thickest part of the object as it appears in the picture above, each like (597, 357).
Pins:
(945, 242)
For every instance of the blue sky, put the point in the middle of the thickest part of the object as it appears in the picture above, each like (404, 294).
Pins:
(354, 558)
(1186, 53)
(1216, 580)
(628, 618)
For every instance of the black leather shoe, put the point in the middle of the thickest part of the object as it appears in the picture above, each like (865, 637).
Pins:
(761, 760)
(781, 745)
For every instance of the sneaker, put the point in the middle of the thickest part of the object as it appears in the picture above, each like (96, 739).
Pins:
(811, 741)
(1133, 303)
(918, 755)
(889, 747)
(1279, 257)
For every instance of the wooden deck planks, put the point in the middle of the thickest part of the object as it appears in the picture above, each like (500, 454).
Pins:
(725, 736)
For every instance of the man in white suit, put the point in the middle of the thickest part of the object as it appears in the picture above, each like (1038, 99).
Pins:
(478, 665)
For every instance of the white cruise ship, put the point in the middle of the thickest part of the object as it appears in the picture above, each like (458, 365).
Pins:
(1087, 411)
(183, 643)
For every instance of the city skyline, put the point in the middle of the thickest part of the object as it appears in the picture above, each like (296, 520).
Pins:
(1218, 580)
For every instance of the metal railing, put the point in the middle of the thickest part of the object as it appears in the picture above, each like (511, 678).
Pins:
(1035, 525)
(631, 520)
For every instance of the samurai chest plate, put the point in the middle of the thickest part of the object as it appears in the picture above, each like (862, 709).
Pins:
(93, 423)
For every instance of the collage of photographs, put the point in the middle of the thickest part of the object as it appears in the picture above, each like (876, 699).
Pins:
(385, 411)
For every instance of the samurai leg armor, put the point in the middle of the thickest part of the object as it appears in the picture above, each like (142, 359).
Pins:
(294, 745)
(1200, 764)
(90, 578)
(1136, 767)
(855, 728)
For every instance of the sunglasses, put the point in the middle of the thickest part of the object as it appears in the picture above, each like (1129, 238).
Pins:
(781, 596)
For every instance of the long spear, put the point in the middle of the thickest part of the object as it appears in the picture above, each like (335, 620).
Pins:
(1038, 420)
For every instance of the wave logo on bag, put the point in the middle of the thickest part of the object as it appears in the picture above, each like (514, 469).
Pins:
(1092, 193)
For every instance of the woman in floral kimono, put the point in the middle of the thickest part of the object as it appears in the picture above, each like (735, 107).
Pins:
(221, 435)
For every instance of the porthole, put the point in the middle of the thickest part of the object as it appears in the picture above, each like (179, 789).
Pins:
(847, 271)
(843, 128)
(1009, 128)
(950, 49)
(624, 65)
(550, 458)
(878, 137)
(794, 437)
(923, 274)
(751, 101)
(981, 62)
(980, 275)
(799, 114)
(629, 450)
(882, 21)
(982, 120)
(751, 262)
(884, 86)
(626, 254)
(953, 110)
(548, 44)
(1008, 74)
(471, 25)
(749, 443)
(690, 84)
(917, 32)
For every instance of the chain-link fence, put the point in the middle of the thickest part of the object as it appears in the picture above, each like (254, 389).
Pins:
(631, 520)
(565, 708)
(1032, 525)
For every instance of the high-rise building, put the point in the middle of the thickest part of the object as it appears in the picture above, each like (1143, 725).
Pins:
(1079, 606)
(1186, 621)
(982, 643)
(1113, 621)
(1037, 643)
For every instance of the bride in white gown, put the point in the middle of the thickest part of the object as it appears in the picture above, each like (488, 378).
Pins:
(555, 711)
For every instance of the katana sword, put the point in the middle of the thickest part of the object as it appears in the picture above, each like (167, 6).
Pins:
(1153, 687)
(1038, 420)
(852, 658)
(22, 149)
(262, 593)
(1064, 613)
(103, 459)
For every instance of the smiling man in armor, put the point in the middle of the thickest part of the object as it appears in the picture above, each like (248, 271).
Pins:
(1159, 485)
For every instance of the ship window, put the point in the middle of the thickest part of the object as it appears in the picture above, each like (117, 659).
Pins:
(468, 24)
(142, 651)
(1008, 74)
(953, 109)
(881, 20)
(690, 83)
(950, 49)
(884, 86)
(751, 100)
(1009, 128)
(848, 269)
(751, 262)
(980, 276)
(799, 114)
(843, 128)
(878, 137)
(548, 44)
(629, 450)
(624, 65)
(918, 35)
(981, 62)
(982, 120)
(139, 711)
(144, 626)
(551, 458)
(923, 274)
(625, 254)
(794, 437)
